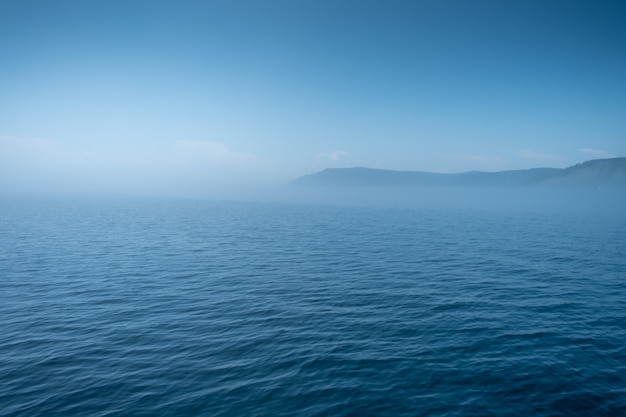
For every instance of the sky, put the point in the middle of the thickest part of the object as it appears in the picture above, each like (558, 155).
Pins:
(191, 97)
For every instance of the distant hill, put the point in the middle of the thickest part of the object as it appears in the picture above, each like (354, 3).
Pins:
(597, 172)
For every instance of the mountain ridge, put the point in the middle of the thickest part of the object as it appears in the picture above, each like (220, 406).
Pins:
(595, 172)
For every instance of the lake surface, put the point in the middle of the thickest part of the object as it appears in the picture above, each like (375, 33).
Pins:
(183, 308)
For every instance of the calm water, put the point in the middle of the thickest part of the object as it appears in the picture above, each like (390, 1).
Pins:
(248, 309)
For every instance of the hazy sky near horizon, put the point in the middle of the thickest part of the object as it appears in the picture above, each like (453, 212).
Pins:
(187, 96)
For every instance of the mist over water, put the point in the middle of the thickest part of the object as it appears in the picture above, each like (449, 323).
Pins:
(580, 200)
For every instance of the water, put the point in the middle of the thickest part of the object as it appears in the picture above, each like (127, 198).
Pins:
(149, 307)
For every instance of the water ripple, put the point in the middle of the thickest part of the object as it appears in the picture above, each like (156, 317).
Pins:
(227, 309)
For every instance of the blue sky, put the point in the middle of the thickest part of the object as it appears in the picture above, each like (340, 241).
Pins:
(189, 95)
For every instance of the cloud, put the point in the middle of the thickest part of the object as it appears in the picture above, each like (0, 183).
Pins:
(209, 152)
(28, 145)
(183, 167)
(596, 153)
(529, 154)
(475, 158)
(335, 156)
(470, 161)
(203, 164)
(31, 163)
(25, 150)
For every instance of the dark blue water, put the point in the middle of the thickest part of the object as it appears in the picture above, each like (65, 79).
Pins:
(147, 307)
